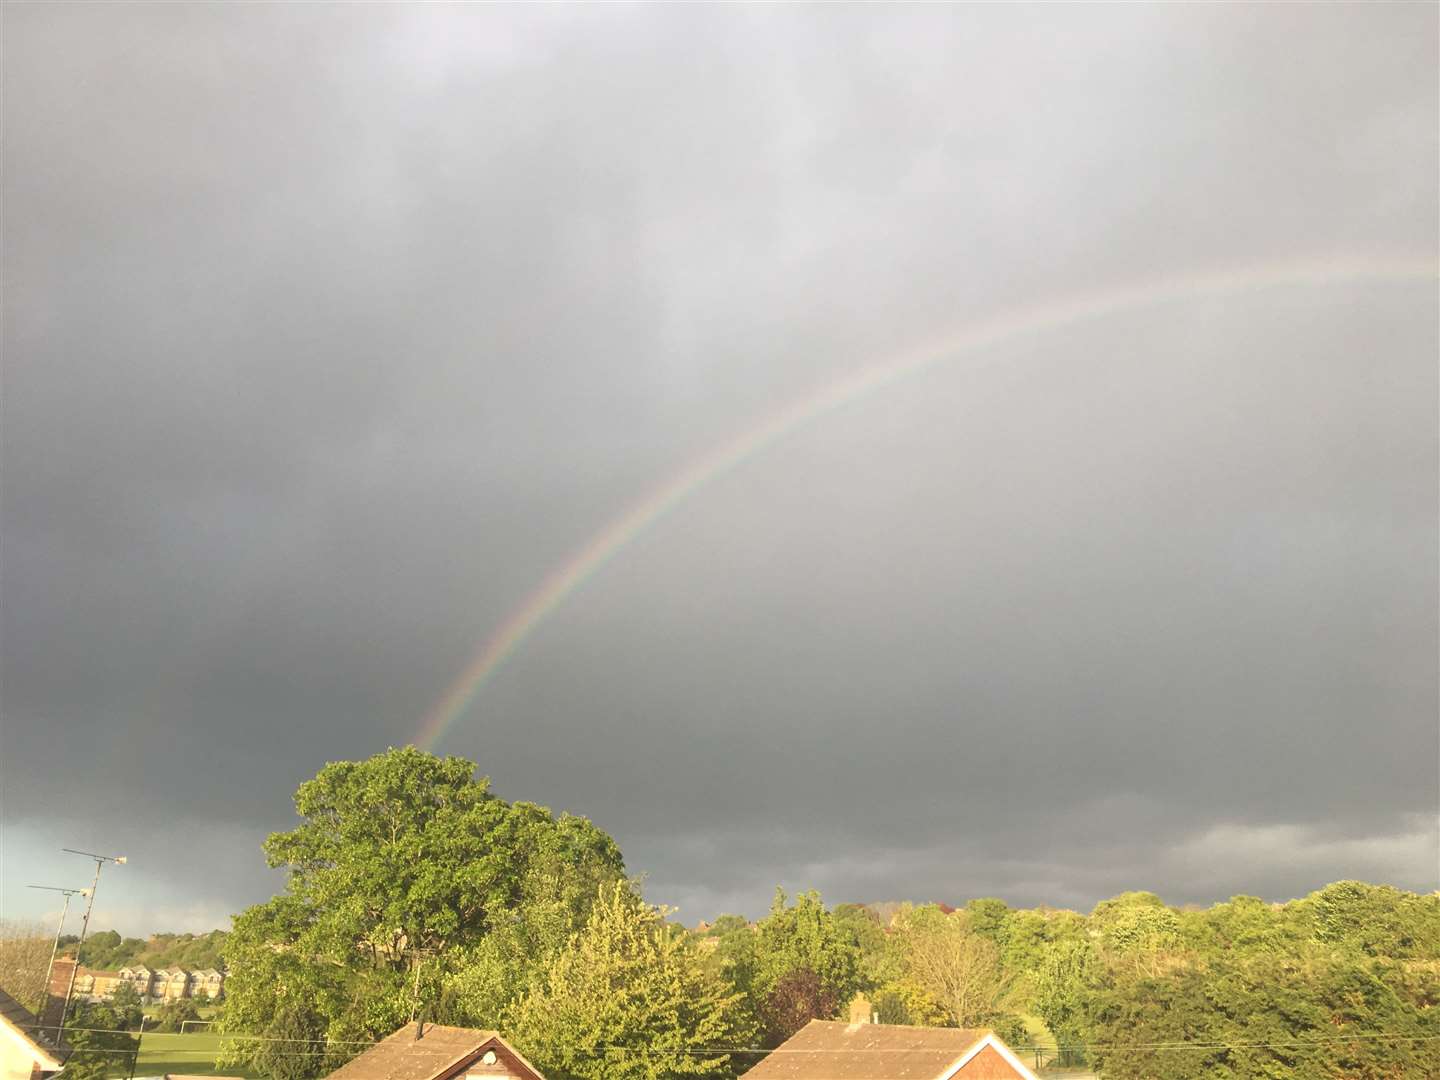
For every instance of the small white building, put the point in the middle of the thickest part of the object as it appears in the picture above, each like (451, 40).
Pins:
(24, 1053)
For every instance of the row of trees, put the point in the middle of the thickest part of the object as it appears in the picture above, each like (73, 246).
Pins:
(1342, 983)
(414, 890)
(108, 951)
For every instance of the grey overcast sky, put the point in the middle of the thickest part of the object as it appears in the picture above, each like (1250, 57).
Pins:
(330, 331)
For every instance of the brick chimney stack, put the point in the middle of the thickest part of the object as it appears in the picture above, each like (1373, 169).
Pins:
(861, 1011)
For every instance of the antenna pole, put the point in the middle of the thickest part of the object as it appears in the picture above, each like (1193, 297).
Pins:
(55, 948)
(100, 861)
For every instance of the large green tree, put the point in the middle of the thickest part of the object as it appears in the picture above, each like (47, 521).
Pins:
(806, 966)
(629, 999)
(401, 861)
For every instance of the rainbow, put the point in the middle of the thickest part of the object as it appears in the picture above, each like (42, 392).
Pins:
(1050, 315)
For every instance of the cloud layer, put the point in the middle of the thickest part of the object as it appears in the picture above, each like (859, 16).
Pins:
(328, 334)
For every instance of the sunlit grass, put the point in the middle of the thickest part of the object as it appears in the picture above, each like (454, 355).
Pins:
(193, 1053)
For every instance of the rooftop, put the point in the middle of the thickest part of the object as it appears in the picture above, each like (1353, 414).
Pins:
(438, 1050)
(833, 1050)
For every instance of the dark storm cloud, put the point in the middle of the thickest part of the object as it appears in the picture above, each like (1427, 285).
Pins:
(330, 331)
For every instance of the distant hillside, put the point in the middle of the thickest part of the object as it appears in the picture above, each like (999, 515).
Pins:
(107, 950)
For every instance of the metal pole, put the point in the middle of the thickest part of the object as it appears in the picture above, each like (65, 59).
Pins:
(415, 994)
(100, 861)
(55, 948)
(140, 1035)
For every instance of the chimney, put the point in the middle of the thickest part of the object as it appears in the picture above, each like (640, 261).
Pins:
(861, 1011)
(60, 974)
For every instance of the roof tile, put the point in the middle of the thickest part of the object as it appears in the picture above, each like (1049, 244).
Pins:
(832, 1050)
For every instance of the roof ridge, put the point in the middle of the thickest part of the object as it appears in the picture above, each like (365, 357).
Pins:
(898, 1027)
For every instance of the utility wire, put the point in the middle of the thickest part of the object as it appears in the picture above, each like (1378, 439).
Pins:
(608, 1048)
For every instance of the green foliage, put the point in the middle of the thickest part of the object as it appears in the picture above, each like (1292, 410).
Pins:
(1130, 1022)
(406, 859)
(734, 954)
(125, 1002)
(410, 851)
(1060, 986)
(902, 1002)
(1011, 1029)
(789, 943)
(293, 1046)
(990, 918)
(627, 1000)
(1244, 988)
(1376, 920)
(552, 902)
(727, 924)
(875, 966)
(173, 1014)
(106, 950)
(100, 948)
(1311, 1017)
(411, 886)
(1241, 924)
(1136, 922)
(1250, 989)
(99, 1035)
(1026, 937)
(958, 968)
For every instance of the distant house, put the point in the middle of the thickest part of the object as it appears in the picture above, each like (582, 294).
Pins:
(171, 984)
(93, 985)
(436, 1052)
(167, 984)
(209, 982)
(141, 978)
(24, 1053)
(833, 1050)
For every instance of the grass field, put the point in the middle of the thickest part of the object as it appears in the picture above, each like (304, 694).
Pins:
(192, 1053)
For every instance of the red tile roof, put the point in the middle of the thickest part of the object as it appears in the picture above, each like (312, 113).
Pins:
(832, 1050)
(437, 1054)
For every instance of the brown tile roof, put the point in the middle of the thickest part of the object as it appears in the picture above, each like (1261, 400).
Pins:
(439, 1050)
(832, 1050)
